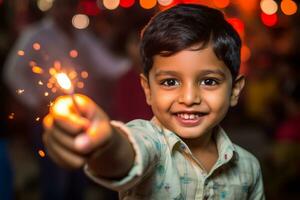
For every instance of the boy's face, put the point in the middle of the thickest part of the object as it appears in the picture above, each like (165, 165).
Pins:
(191, 91)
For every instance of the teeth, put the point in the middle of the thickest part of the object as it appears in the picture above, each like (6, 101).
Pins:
(188, 116)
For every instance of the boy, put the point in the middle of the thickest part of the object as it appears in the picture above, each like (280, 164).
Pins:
(191, 58)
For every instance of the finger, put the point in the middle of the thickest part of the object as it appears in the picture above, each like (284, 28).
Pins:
(48, 121)
(72, 124)
(64, 139)
(62, 155)
(97, 135)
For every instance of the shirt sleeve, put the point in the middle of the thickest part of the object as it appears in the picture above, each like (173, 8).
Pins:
(257, 190)
(147, 146)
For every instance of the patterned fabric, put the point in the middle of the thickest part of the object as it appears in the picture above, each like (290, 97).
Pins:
(165, 168)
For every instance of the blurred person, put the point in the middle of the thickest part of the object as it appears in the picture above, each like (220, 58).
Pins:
(57, 37)
(191, 60)
(131, 105)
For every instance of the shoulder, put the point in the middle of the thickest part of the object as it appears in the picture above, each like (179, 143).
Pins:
(246, 160)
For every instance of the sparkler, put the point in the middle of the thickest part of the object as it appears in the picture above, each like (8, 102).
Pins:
(65, 83)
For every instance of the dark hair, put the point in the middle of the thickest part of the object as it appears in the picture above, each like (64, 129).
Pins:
(185, 25)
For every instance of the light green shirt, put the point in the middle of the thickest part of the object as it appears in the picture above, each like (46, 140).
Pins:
(165, 168)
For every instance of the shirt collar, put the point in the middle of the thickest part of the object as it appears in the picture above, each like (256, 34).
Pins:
(226, 149)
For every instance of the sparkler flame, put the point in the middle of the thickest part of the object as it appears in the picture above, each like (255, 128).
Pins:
(64, 82)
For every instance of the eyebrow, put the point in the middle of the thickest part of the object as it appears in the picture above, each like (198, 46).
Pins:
(201, 73)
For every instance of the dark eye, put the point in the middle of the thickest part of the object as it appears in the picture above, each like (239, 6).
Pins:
(170, 82)
(209, 82)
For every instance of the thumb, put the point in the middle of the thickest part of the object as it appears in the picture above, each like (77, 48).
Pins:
(96, 136)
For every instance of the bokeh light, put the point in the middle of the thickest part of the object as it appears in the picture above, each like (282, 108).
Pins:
(111, 4)
(165, 2)
(245, 53)
(269, 20)
(269, 7)
(45, 5)
(126, 3)
(221, 3)
(21, 53)
(36, 46)
(288, 7)
(148, 4)
(73, 53)
(80, 21)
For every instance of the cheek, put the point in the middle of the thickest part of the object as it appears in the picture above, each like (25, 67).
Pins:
(218, 101)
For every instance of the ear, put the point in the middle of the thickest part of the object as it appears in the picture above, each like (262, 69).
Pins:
(238, 86)
(146, 87)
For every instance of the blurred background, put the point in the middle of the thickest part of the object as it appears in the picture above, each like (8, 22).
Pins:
(96, 44)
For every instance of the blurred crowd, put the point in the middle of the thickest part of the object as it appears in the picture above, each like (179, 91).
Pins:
(266, 121)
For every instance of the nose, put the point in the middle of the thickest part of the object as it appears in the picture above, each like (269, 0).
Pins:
(190, 95)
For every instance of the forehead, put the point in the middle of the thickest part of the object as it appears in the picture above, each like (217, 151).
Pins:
(190, 60)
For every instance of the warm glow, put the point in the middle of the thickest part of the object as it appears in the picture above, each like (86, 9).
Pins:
(111, 4)
(32, 63)
(126, 3)
(72, 74)
(20, 91)
(52, 71)
(40, 82)
(148, 4)
(44, 5)
(37, 70)
(288, 7)
(73, 53)
(80, 84)
(269, 7)
(46, 94)
(221, 3)
(84, 74)
(80, 21)
(21, 53)
(245, 53)
(165, 2)
(49, 85)
(63, 81)
(37, 119)
(36, 46)
(268, 20)
(54, 90)
(11, 116)
(42, 153)
(57, 65)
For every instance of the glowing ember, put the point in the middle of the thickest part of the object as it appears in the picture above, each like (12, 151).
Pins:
(72, 74)
(37, 119)
(57, 65)
(54, 90)
(37, 70)
(40, 82)
(41, 153)
(50, 104)
(49, 85)
(46, 94)
(52, 71)
(32, 63)
(20, 91)
(11, 116)
(21, 53)
(84, 74)
(63, 81)
(80, 84)
(36, 46)
(73, 53)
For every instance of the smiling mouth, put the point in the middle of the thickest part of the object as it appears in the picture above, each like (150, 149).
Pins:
(190, 119)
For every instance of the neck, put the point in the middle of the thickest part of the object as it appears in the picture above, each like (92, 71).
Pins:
(204, 143)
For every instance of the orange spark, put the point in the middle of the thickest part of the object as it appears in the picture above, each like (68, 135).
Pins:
(37, 119)
(41, 153)
(72, 74)
(37, 70)
(40, 82)
(20, 91)
(80, 84)
(52, 71)
(11, 116)
(54, 89)
(21, 53)
(73, 53)
(84, 74)
(64, 81)
(46, 94)
(57, 65)
(36, 46)
(49, 85)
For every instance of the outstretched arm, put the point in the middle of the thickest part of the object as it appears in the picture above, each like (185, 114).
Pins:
(75, 137)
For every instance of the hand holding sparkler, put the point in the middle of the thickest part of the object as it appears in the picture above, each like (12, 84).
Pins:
(83, 134)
